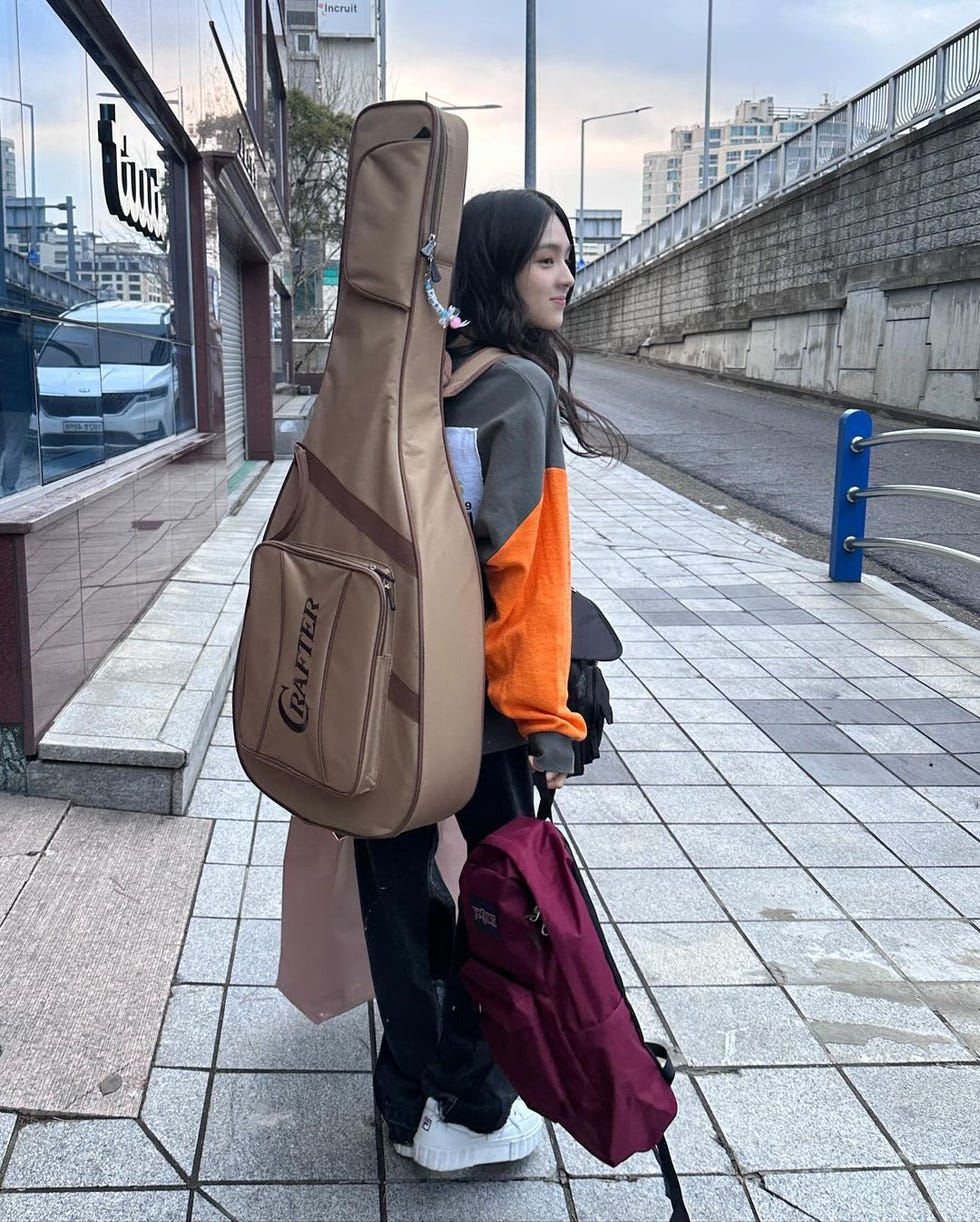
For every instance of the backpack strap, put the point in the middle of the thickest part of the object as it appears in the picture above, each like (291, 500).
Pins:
(470, 369)
(672, 1185)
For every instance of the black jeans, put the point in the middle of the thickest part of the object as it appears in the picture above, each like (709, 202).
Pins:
(432, 1041)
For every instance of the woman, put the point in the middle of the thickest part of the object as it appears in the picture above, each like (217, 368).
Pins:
(442, 1097)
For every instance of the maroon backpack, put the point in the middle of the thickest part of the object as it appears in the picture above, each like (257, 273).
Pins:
(552, 1002)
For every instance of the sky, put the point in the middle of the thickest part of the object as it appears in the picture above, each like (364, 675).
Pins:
(596, 56)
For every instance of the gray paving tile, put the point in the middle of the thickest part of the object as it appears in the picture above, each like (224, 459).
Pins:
(929, 950)
(668, 689)
(256, 953)
(269, 844)
(960, 885)
(708, 1197)
(190, 1027)
(86, 1154)
(625, 688)
(959, 802)
(694, 1145)
(231, 842)
(847, 769)
(812, 737)
(627, 845)
(818, 952)
(886, 804)
(605, 804)
(693, 953)
(771, 894)
(207, 951)
(792, 804)
(261, 1030)
(659, 736)
(930, 769)
(840, 1196)
(738, 1025)
(667, 895)
(757, 768)
(825, 689)
(887, 1023)
(173, 1110)
(263, 892)
(608, 769)
(760, 1115)
(888, 740)
(497, 1201)
(955, 1192)
(219, 893)
(733, 844)
(728, 737)
(780, 712)
(857, 712)
(274, 1127)
(895, 689)
(930, 844)
(826, 844)
(922, 1107)
(651, 668)
(642, 711)
(671, 768)
(698, 804)
(295, 1202)
(935, 710)
(692, 712)
(213, 799)
(881, 892)
(222, 763)
(270, 811)
(8, 1120)
(160, 1206)
(959, 737)
(740, 690)
(959, 1005)
(223, 734)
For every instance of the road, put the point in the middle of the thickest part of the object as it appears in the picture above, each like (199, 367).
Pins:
(768, 459)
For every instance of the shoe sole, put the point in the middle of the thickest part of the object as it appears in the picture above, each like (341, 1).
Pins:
(459, 1160)
(403, 1148)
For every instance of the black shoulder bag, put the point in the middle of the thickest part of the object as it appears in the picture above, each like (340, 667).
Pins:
(593, 641)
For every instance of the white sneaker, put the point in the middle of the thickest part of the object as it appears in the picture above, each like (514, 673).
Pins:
(403, 1148)
(443, 1146)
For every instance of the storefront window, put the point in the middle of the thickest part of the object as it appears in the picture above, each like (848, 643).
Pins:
(87, 293)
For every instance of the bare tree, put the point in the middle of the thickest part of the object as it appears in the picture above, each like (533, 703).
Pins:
(319, 138)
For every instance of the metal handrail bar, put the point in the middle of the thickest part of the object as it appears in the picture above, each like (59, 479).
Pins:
(917, 94)
(862, 443)
(936, 549)
(939, 494)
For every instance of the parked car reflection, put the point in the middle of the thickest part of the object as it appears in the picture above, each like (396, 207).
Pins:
(106, 381)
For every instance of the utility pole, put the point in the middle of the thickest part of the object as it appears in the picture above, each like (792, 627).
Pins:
(530, 97)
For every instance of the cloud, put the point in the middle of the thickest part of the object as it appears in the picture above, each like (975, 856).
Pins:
(625, 53)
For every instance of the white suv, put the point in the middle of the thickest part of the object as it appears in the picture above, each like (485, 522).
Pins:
(106, 375)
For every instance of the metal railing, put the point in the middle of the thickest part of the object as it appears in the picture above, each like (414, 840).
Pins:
(855, 437)
(923, 90)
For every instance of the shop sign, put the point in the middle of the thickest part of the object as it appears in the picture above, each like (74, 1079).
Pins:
(353, 19)
(132, 191)
(247, 158)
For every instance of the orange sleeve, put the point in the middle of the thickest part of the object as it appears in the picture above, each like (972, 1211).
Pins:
(529, 630)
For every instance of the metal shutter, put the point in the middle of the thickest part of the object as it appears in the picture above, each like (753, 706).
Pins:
(233, 357)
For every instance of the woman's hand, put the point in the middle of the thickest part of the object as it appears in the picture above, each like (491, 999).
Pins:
(555, 779)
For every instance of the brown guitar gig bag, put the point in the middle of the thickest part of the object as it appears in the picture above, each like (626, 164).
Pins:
(359, 683)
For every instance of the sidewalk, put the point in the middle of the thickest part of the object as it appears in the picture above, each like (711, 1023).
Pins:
(783, 838)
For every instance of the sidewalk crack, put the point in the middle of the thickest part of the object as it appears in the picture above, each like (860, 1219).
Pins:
(758, 1178)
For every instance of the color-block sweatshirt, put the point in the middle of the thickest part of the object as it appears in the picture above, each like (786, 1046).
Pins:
(504, 437)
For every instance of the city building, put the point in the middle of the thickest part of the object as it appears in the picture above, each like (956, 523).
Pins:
(672, 176)
(334, 58)
(143, 236)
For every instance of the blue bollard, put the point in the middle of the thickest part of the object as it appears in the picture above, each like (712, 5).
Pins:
(852, 472)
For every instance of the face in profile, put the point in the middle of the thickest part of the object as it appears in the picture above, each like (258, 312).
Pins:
(544, 282)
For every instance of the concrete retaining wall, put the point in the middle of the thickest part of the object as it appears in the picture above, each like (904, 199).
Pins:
(862, 286)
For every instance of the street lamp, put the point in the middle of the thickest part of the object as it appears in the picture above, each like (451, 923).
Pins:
(444, 105)
(531, 96)
(707, 109)
(581, 174)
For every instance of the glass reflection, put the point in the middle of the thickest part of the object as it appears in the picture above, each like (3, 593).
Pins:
(18, 421)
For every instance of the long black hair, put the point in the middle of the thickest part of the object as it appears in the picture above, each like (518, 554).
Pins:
(499, 233)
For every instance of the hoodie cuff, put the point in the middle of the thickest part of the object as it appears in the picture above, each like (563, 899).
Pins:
(551, 751)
